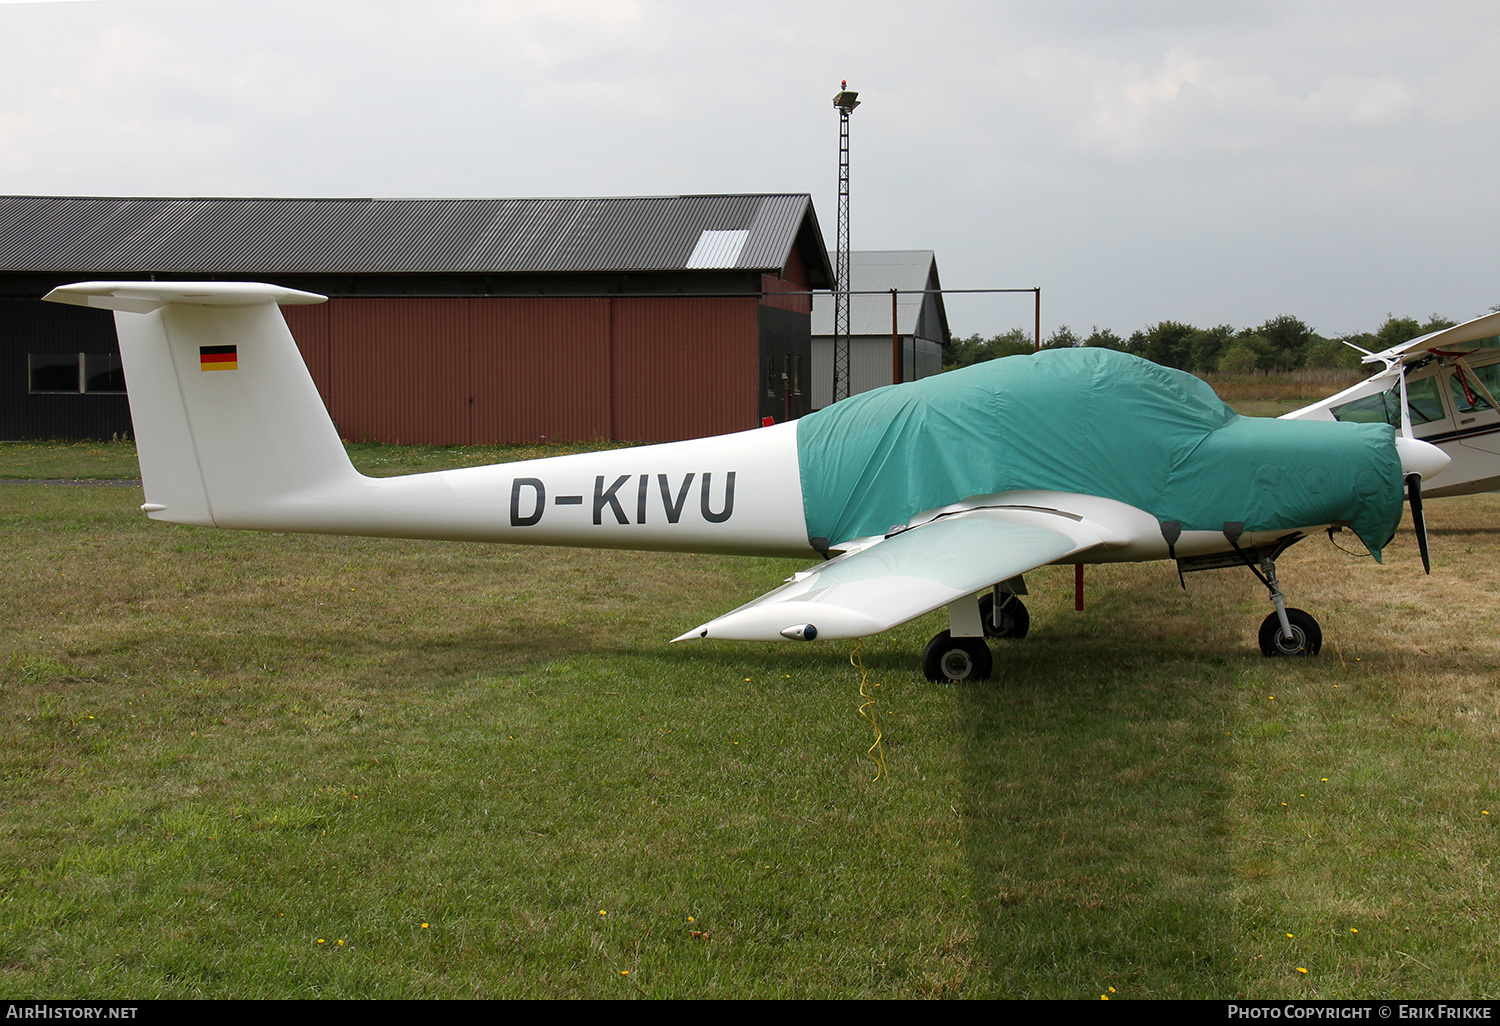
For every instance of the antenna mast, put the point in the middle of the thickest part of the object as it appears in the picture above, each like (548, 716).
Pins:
(845, 101)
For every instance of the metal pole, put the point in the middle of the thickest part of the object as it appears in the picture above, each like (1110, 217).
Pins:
(1038, 336)
(841, 303)
(845, 101)
(895, 344)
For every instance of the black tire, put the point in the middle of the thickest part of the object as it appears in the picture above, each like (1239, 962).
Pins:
(1307, 636)
(957, 659)
(1015, 621)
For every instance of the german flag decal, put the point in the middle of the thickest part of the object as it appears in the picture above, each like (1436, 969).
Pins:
(218, 357)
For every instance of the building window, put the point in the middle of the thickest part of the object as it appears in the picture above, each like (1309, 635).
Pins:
(103, 372)
(54, 372)
(97, 373)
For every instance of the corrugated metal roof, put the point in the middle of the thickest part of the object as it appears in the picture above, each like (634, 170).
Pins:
(323, 236)
(908, 270)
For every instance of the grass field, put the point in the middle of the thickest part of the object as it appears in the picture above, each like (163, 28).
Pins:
(256, 766)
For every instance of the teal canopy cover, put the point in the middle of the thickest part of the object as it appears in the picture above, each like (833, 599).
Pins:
(1095, 422)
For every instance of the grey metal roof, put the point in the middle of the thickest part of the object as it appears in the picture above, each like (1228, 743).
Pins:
(321, 236)
(909, 270)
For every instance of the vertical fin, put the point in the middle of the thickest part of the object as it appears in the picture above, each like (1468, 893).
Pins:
(218, 439)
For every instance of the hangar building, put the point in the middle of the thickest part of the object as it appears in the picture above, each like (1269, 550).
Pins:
(918, 325)
(451, 321)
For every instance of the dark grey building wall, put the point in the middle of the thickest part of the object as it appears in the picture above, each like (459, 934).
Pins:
(28, 327)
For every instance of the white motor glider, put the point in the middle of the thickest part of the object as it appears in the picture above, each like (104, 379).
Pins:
(1439, 388)
(941, 492)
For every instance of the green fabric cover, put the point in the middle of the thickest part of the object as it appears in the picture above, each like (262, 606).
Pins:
(1096, 422)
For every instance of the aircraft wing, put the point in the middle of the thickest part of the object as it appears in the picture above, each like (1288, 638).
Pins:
(907, 574)
(1469, 331)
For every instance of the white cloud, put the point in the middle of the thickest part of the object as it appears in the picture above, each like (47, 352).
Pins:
(1364, 101)
(1161, 159)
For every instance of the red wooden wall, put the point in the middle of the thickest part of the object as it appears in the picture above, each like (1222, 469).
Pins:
(479, 370)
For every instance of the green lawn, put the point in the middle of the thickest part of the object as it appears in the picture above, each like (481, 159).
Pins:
(246, 765)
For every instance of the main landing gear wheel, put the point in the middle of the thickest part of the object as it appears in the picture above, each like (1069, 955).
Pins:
(957, 659)
(1015, 621)
(1307, 636)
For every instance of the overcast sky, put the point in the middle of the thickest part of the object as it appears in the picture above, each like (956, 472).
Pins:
(1194, 160)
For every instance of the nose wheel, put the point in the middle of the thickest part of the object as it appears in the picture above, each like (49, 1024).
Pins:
(1306, 639)
(1286, 632)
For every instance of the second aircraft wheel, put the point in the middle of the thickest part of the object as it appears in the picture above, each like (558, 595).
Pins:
(1015, 621)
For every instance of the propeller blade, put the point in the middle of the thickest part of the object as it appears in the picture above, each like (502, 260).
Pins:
(1418, 521)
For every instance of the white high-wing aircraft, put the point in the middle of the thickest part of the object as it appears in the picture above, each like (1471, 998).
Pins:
(941, 492)
(1439, 388)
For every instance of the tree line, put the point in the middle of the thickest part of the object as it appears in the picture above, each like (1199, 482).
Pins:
(1282, 343)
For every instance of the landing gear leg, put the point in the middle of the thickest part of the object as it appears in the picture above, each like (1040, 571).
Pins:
(1286, 632)
(1268, 567)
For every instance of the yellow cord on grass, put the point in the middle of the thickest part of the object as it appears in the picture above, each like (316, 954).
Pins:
(867, 710)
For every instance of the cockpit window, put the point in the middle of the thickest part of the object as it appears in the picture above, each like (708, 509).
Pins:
(1380, 408)
(1422, 399)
